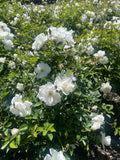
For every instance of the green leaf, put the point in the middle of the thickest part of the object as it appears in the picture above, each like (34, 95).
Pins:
(68, 72)
(77, 93)
(29, 117)
(48, 126)
(37, 104)
(6, 132)
(71, 151)
(108, 108)
(4, 145)
(50, 136)
(23, 127)
(35, 134)
(52, 129)
(39, 129)
(9, 124)
(44, 132)
(1, 67)
(13, 145)
(18, 138)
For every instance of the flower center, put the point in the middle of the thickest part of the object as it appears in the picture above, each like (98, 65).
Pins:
(50, 93)
(42, 70)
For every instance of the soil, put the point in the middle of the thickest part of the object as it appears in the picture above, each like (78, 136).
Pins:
(96, 153)
(110, 154)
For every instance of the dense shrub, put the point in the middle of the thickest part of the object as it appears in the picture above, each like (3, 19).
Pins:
(59, 69)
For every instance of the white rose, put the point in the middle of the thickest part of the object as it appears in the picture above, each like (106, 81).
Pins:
(98, 118)
(2, 59)
(14, 131)
(48, 94)
(39, 41)
(42, 69)
(97, 121)
(84, 18)
(103, 60)
(95, 126)
(20, 86)
(90, 50)
(11, 65)
(3, 35)
(8, 44)
(95, 107)
(64, 83)
(54, 155)
(99, 54)
(107, 140)
(20, 108)
(61, 36)
(106, 87)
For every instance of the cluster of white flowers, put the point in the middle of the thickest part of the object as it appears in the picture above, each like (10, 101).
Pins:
(106, 87)
(38, 8)
(15, 20)
(26, 17)
(54, 155)
(86, 48)
(57, 11)
(18, 59)
(59, 35)
(11, 64)
(88, 16)
(89, 49)
(20, 108)
(6, 36)
(95, 1)
(97, 121)
(48, 92)
(84, 18)
(100, 56)
(105, 140)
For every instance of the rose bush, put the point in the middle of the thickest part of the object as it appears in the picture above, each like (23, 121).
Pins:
(59, 77)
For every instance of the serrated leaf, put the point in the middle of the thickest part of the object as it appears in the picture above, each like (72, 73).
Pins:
(13, 145)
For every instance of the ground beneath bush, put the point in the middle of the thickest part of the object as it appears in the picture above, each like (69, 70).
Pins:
(96, 153)
(110, 154)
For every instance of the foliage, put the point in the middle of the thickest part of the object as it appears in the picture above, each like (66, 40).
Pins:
(66, 124)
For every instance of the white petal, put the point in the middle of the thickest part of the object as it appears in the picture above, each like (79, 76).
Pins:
(47, 157)
(53, 152)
